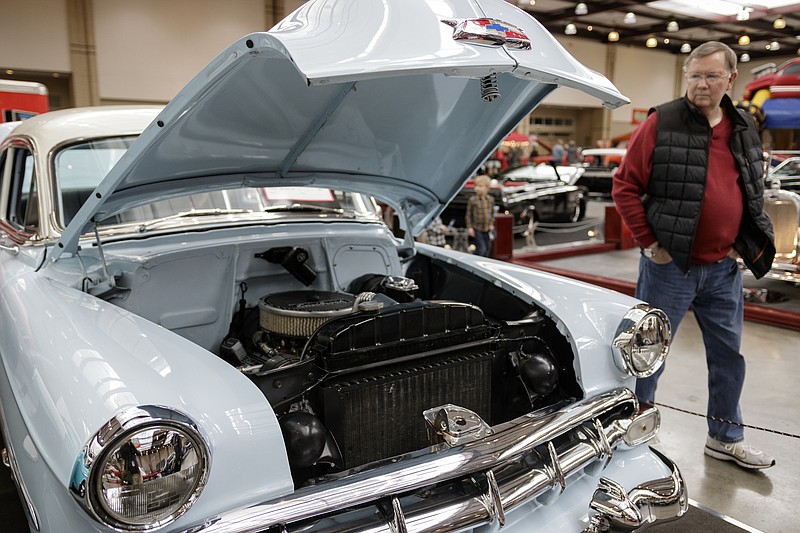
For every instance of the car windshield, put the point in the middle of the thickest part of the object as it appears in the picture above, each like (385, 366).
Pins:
(79, 168)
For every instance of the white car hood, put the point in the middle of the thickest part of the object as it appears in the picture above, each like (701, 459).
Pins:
(365, 95)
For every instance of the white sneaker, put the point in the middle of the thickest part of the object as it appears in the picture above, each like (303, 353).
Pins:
(738, 452)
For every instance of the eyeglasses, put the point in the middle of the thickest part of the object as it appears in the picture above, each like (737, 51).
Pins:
(711, 78)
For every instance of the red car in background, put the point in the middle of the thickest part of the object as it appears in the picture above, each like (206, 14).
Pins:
(21, 99)
(780, 82)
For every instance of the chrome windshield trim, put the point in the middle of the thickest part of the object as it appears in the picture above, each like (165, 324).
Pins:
(451, 488)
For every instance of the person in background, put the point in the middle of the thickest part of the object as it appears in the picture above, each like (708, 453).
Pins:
(480, 216)
(572, 152)
(691, 192)
(435, 233)
(558, 152)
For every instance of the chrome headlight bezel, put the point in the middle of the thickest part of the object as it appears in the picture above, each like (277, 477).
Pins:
(642, 340)
(86, 482)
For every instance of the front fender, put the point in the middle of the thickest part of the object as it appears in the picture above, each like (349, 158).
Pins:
(73, 361)
(587, 315)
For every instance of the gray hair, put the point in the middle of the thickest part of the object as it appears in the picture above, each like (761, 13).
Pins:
(712, 47)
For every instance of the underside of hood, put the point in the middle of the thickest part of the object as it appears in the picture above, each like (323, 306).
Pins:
(390, 98)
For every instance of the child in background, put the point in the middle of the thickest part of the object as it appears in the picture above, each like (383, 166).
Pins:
(480, 216)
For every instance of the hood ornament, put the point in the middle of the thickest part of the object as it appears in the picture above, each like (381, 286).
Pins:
(488, 31)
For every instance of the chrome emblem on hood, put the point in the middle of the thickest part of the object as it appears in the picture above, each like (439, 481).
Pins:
(490, 32)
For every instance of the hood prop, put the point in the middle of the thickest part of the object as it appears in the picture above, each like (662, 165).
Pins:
(106, 282)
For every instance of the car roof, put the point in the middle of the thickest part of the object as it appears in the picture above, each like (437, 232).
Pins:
(6, 128)
(58, 127)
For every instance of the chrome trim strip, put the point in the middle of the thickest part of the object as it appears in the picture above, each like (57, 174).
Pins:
(22, 490)
(13, 250)
(442, 488)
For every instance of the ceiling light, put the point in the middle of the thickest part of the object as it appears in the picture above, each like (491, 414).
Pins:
(666, 41)
(779, 23)
(744, 40)
(745, 57)
(581, 9)
(629, 18)
(686, 48)
(773, 46)
(570, 29)
(651, 42)
(589, 28)
(743, 14)
(613, 36)
(672, 26)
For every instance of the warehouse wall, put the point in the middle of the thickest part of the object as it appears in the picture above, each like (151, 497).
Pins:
(146, 50)
(34, 35)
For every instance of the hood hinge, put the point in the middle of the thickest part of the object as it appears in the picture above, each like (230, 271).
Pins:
(105, 283)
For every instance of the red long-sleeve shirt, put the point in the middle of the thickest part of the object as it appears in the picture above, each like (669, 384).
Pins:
(723, 204)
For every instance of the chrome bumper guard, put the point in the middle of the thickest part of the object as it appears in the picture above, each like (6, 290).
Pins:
(659, 500)
(453, 487)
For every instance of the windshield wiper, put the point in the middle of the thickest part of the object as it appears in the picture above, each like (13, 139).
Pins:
(144, 226)
(303, 208)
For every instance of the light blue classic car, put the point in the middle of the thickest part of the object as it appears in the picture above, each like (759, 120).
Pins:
(205, 324)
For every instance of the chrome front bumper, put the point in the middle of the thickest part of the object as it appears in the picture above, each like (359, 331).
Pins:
(473, 483)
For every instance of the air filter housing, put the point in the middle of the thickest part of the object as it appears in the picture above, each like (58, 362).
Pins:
(300, 313)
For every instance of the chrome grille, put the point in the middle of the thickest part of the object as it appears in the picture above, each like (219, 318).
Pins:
(468, 485)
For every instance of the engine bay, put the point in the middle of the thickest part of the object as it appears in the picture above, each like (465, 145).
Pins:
(350, 372)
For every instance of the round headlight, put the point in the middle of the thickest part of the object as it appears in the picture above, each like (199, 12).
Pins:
(144, 471)
(643, 339)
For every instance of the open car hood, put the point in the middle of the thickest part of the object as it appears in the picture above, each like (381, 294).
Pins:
(383, 98)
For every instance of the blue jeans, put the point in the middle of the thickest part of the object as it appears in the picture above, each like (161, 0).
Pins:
(483, 245)
(714, 293)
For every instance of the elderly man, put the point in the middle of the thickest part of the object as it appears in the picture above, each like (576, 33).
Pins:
(691, 191)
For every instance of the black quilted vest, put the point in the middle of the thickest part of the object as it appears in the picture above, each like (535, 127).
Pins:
(677, 183)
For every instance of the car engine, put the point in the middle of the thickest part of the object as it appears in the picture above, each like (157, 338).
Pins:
(350, 374)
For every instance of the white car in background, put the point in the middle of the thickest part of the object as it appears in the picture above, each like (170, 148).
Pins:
(205, 326)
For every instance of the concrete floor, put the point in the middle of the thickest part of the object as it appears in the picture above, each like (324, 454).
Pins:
(761, 500)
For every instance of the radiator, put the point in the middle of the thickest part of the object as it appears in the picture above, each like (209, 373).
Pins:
(379, 415)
